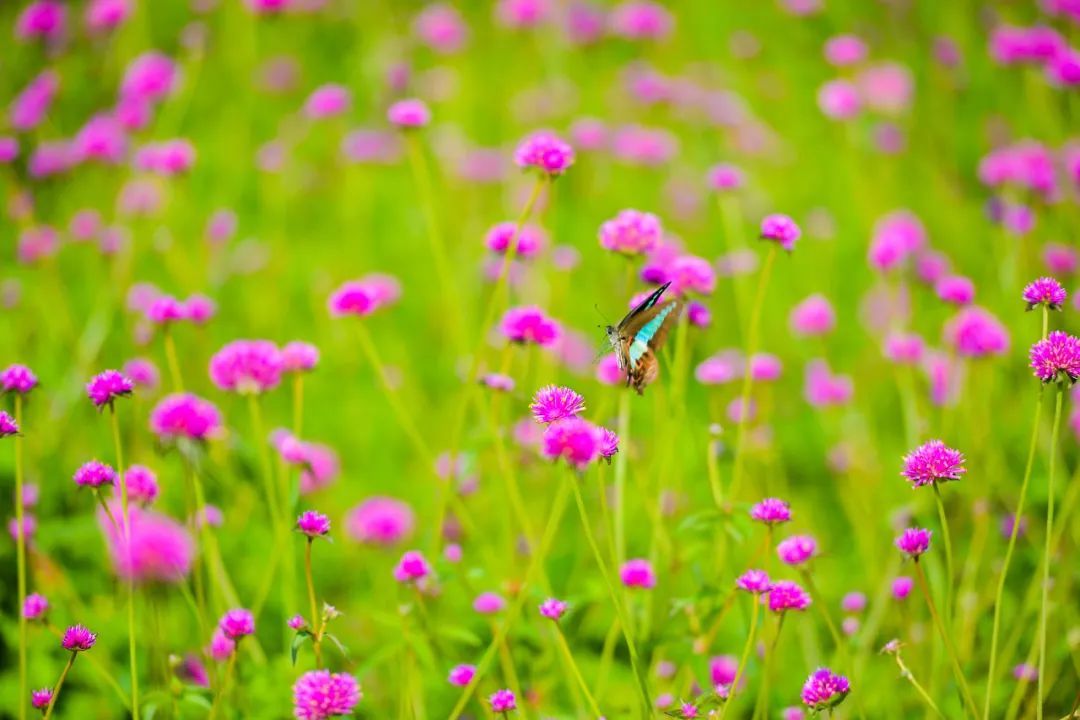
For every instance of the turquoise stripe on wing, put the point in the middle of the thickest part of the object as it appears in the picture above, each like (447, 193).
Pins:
(647, 332)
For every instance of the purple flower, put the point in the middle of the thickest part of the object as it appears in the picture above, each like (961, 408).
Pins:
(824, 689)
(641, 20)
(638, 573)
(546, 152)
(297, 622)
(1025, 672)
(382, 521)
(796, 549)
(441, 27)
(183, 415)
(975, 332)
(299, 356)
(814, 316)
(364, 296)
(247, 366)
(933, 462)
(412, 567)
(142, 485)
(631, 232)
(781, 229)
(488, 603)
(853, 602)
(786, 595)
(771, 511)
(94, 474)
(503, 701)
(553, 609)
(530, 240)
(409, 113)
(35, 606)
(904, 348)
(320, 695)
(609, 444)
(461, 675)
(77, 639)
(8, 426)
(955, 289)
(237, 623)
(553, 402)
(44, 19)
(753, 581)
(103, 389)
(725, 178)
(1045, 291)
(497, 381)
(576, 440)
(1056, 358)
(529, 324)
(40, 699)
(17, 379)
(901, 587)
(158, 549)
(327, 101)
(913, 542)
(149, 77)
(313, 524)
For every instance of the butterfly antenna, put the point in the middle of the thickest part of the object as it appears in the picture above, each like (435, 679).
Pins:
(602, 316)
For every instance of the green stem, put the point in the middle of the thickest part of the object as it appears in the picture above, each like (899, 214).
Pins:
(621, 464)
(761, 707)
(297, 403)
(171, 360)
(266, 468)
(128, 543)
(948, 556)
(20, 555)
(950, 648)
(225, 681)
(59, 684)
(744, 657)
(1046, 550)
(569, 656)
(907, 675)
(316, 630)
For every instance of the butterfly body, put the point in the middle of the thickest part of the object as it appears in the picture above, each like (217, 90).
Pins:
(640, 335)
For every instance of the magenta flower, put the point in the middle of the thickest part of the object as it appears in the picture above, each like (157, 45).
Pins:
(641, 20)
(901, 587)
(364, 296)
(236, 624)
(609, 443)
(631, 232)
(503, 701)
(45, 19)
(530, 240)
(552, 403)
(955, 289)
(781, 229)
(320, 695)
(913, 542)
(105, 388)
(497, 381)
(771, 511)
(183, 415)
(441, 27)
(839, 100)
(933, 462)
(785, 595)
(824, 690)
(327, 101)
(94, 474)
(1056, 358)
(576, 440)
(313, 524)
(35, 606)
(844, 50)
(380, 521)
(553, 609)
(409, 113)
(17, 379)
(159, 549)
(853, 602)
(78, 639)
(753, 581)
(199, 309)
(824, 388)
(488, 603)
(904, 348)
(220, 647)
(813, 316)
(8, 426)
(246, 366)
(638, 573)
(299, 356)
(1045, 291)
(164, 310)
(40, 699)
(461, 675)
(690, 273)
(725, 178)
(975, 332)
(796, 549)
(529, 324)
(297, 622)
(1059, 258)
(1025, 672)
(545, 152)
(412, 567)
(106, 14)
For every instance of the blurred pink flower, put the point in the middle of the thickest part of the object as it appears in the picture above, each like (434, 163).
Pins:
(246, 366)
(382, 521)
(441, 27)
(159, 550)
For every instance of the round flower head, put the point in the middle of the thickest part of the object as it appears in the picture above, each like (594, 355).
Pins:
(1045, 291)
(1059, 258)
(780, 229)
(313, 524)
(753, 581)
(199, 309)
(77, 639)
(786, 595)
(410, 113)
(975, 332)
(142, 485)
(183, 415)
(380, 521)
(503, 701)
(165, 310)
(156, 548)
(529, 324)
(904, 348)
(35, 606)
(44, 19)
(220, 647)
(143, 372)
(364, 296)
(94, 474)
(1056, 358)
(609, 443)
(497, 381)
(813, 316)
(529, 241)
(320, 695)
(853, 602)
(412, 567)
(725, 178)
(8, 426)
(843, 50)
(327, 101)
(796, 549)
(955, 289)
(461, 675)
(824, 689)
(631, 232)
(771, 511)
(641, 20)
(17, 379)
(299, 356)
(40, 699)
(553, 609)
(638, 573)
(576, 440)
(489, 603)
(839, 100)
(247, 366)
(297, 622)
(103, 389)
(545, 152)
(933, 462)
(901, 587)
(149, 77)
(441, 27)
(553, 402)
(913, 542)
(237, 623)
(1025, 672)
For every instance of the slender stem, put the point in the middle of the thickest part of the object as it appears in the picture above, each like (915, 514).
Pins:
(907, 675)
(108, 513)
(298, 403)
(316, 630)
(744, 657)
(752, 339)
(1009, 552)
(620, 612)
(621, 466)
(761, 707)
(593, 707)
(171, 360)
(20, 555)
(266, 467)
(225, 681)
(128, 542)
(1046, 550)
(823, 610)
(59, 684)
(948, 557)
(949, 646)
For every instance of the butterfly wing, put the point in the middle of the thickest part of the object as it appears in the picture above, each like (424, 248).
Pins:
(644, 336)
(643, 307)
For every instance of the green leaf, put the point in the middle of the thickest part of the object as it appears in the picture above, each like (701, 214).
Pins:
(459, 634)
(297, 641)
(341, 648)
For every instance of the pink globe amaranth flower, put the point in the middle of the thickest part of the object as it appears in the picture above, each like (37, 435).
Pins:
(488, 603)
(1063, 69)
(553, 402)
(839, 100)
(1061, 259)
(608, 371)
(573, 439)
(32, 104)
(380, 521)
(722, 368)
(220, 647)
(28, 527)
(246, 366)
(781, 229)
(237, 623)
(1045, 291)
(641, 20)
(644, 146)
(529, 242)
(752, 581)
(722, 669)
(797, 549)
(168, 158)
(584, 23)
(901, 587)
(546, 152)
(886, 87)
(320, 694)
(85, 225)
(553, 609)
(844, 50)
(529, 324)
(824, 689)
(298, 356)
(142, 485)
(498, 382)
(327, 101)
(37, 243)
(904, 348)
(955, 289)
(850, 625)
(8, 426)
(1056, 358)
(183, 415)
(689, 273)
(49, 159)
(149, 77)
(35, 606)
(141, 197)
(631, 232)
(637, 573)
(104, 388)
(724, 177)
(461, 675)
(975, 332)
(199, 309)
(502, 701)
(41, 699)
(913, 542)
(853, 602)
(698, 315)
(44, 19)
(412, 567)
(364, 296)
(9, 149)
(1025, 673)
(192, 670)
(409, 113)
(165, 310)
(933, 462)
(521, 14)
(792, 713)
(589, 134)
(221, 226)
(441, 27)
(813, 316)
(78, 639)
(106, 14)
(160, 549)
(94, 474)
(297, 622)
(786, 595)
(609, 444)
(825, 388)
(313, 524)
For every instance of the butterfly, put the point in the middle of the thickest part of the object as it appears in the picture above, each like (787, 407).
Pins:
(640, 335)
